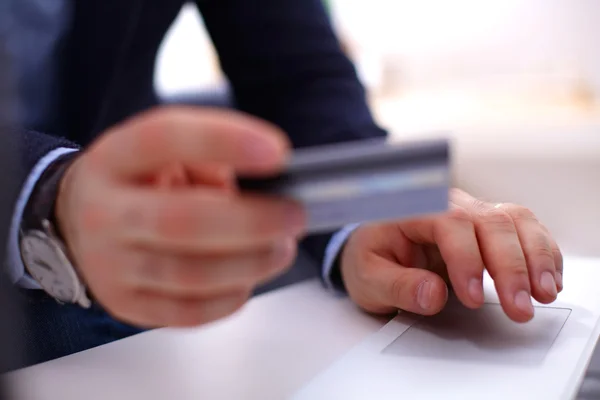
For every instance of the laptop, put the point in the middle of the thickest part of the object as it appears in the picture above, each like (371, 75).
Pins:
(476, 354)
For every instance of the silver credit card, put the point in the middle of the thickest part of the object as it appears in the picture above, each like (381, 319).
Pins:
(363, 181)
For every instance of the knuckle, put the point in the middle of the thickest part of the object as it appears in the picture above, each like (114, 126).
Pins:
(544, 253)
(497, 218)
(477, 205)
(558, 259)
(541, 246)
(398, 290)
(517, 267)
(459, 214)
(514, 276)
(518, 212)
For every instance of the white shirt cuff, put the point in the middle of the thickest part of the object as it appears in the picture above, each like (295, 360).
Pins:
(15, 267)
(332, 251)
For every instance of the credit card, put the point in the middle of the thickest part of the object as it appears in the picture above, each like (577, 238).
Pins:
(363, 181)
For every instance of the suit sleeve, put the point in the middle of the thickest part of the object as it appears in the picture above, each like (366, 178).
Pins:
(35, 145)
(285, 64)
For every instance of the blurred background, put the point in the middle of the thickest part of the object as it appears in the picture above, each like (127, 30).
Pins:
(515, 83)
(465, 59)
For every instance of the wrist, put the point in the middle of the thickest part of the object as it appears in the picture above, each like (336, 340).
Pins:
(43, 250)
(341, 262)
(335, 271)
(43, 203)
(62, 204)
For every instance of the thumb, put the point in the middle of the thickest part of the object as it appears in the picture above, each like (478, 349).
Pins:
(391, 287)
(192, 137)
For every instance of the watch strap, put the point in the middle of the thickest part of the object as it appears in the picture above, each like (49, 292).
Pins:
(42, 201)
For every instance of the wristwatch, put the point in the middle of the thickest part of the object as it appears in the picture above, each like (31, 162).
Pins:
(43, 249)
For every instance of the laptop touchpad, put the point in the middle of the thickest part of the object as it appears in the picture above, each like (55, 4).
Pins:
(485, 335)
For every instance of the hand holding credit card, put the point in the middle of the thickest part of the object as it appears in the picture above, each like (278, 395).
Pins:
(362, 181)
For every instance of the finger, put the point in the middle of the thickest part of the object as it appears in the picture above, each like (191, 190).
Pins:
(187, 276)
(149, 310)
(454, 234)
(558, 262)
(195, 220)
(536, 244)
(219, 176)
(191, 136)
(176, 176)
(172, 177)
(503, 256)
(386, 287)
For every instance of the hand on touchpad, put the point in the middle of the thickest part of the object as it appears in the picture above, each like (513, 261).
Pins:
(484, 335)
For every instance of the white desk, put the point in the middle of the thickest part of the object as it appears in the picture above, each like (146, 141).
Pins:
(273, 347)
(269, 350)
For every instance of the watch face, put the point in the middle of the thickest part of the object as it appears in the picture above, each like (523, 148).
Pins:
(49, 267)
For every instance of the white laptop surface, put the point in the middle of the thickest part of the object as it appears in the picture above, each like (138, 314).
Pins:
(465, 354)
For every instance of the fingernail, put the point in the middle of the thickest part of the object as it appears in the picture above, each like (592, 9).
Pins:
(296, 219)
(424, 295)
(559, 280)
(523, 302)
(476, 290)
(548, 283)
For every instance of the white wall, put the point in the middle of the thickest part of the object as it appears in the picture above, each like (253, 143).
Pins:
(441, 40)
(507, 44)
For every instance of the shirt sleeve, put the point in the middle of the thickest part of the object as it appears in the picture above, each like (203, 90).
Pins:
(332, 252)
(14, 263)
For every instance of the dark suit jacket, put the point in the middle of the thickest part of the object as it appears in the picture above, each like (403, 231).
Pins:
(281, 58)
(9, 318)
